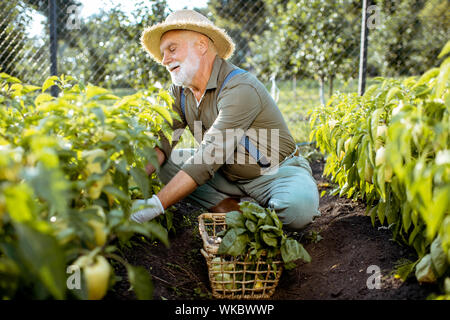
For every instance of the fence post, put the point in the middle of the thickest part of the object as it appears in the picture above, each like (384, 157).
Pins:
(363, 50)
(53, 44)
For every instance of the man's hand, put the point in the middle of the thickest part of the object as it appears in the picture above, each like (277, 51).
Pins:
(154, 209)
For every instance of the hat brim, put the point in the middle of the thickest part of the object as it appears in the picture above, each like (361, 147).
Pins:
(151, 37)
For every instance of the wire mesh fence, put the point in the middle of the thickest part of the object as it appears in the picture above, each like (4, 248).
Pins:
(21, 55)
(98, 41)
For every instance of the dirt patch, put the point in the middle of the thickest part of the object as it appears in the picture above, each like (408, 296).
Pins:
(345, 249)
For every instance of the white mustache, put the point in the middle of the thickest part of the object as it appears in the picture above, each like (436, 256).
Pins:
(172, 65)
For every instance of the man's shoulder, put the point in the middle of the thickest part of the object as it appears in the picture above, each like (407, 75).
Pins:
(245, 81)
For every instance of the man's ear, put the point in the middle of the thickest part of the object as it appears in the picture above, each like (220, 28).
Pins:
(203, 45)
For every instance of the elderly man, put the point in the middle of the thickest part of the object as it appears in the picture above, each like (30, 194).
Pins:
(245, 150)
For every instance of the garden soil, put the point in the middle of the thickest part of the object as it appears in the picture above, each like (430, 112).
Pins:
(344, 246)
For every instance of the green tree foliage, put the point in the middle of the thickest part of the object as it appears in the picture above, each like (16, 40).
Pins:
(271, 49)
(435, 21)
(312, 38)
(62, 13)
(242, 20)
(409, 36)
(12, 34)
(107, 49)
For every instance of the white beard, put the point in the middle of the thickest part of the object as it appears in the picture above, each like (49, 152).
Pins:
(186, 71)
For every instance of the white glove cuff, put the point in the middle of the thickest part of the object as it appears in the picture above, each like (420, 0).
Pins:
(159, 203)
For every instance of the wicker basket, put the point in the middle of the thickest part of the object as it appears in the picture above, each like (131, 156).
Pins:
(235, 277)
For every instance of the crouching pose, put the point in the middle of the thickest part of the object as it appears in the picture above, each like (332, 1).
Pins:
(245, 147)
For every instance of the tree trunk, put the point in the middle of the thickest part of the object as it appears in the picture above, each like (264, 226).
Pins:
(322, 96)
(330, 88)
(294, 88)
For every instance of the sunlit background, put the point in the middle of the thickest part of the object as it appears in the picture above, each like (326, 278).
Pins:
(90, 7)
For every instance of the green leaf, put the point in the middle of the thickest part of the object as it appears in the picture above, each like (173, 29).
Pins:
(276, 231)
(141, 282)
(227, 241)
(381, 211)
(275, 218)
(166, 97)
(50, 81)
(19, 202)
(233, 244)
(252, 208)
(163, 112)
(17, 87)
(424, 270)
(369, 92)
(92, 91)
(250, 225)
(406, 216)
(9, 78)
(438, 257)
(30, 88)
(239, 245)
(114, 191)
(393, 92)
(158, 231)
(443, 78)
(108, 97)
(405, 269)
(9, 277)
(43, 257)
(50, 185)
(43, 97)
(249, 215)
(421, 91)
(414, 234)
(427, 76)
(269, 238)
(149, 229)
(381, 183)
(445, 50)
(437, 207)
(267, 221)
(99, 114)
(141, 178)
(291, 250)
(235, 219)
(151, 156)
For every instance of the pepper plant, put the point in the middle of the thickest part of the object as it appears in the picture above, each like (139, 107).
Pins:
(391, 147)
(70, 167)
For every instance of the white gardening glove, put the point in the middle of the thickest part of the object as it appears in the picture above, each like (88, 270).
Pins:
(153, 208)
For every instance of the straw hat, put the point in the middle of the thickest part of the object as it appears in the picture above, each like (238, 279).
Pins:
(186, 20)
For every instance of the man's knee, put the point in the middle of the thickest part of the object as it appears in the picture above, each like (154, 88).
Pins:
(298, 210)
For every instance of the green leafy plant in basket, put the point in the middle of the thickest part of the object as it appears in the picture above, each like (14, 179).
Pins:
(257, 232)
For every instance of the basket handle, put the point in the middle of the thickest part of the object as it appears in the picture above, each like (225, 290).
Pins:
(205, 254)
